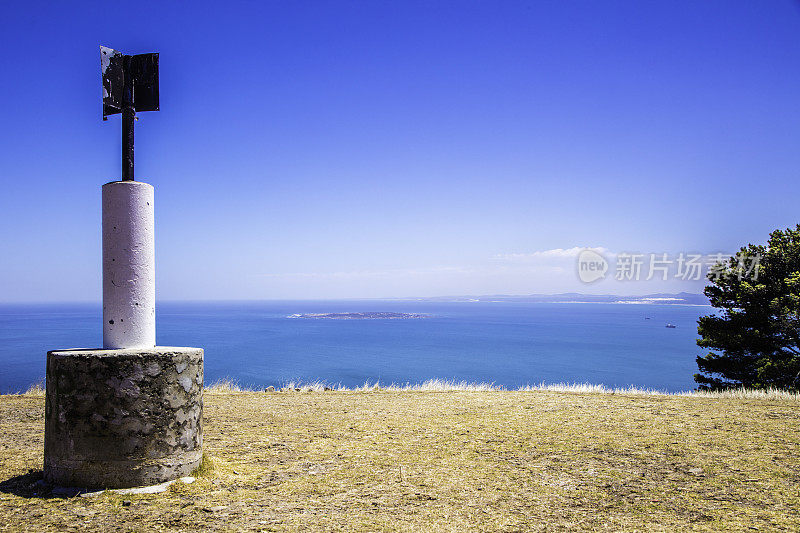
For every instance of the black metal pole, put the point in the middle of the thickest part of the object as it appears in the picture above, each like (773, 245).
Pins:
(128, 116)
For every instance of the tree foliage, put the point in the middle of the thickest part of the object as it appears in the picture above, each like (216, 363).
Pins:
(755, 337)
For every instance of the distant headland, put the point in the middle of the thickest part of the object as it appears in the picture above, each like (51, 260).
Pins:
(358, 316)
(681, 298)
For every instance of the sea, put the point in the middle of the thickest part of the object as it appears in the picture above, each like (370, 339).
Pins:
(509, 344)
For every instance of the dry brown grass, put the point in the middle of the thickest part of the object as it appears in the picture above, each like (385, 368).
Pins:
(451, 461)
(443, 385)
(36, 389)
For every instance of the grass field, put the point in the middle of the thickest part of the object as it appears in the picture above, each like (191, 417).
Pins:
(451, 461)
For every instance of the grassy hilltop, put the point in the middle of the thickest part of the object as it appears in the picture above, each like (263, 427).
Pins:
(452, 461)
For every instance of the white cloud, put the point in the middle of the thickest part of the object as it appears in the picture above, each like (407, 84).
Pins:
(372, 274)
(553, 254)
(542, 271)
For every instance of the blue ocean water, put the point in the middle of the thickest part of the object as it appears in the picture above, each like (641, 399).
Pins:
(510, 344)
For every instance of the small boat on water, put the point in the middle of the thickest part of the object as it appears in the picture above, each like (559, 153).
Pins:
(671, 326)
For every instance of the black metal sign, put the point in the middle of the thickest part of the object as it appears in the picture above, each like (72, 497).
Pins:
(130, 84)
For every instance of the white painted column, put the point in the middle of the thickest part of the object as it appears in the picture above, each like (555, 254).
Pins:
(129, 267)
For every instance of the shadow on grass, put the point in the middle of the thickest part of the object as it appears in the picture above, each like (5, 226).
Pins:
(28, 485)
(33, 485)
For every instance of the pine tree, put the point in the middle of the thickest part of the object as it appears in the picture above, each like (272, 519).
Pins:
(755, 338)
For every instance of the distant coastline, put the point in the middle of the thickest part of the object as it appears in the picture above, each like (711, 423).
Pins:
(359, 316)
(681, 298)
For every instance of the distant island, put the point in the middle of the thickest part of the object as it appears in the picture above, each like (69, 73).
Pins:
(358, 316)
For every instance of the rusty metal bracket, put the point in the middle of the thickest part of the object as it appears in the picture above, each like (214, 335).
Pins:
(130, 84)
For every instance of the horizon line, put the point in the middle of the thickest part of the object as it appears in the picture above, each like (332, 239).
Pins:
(362, 298)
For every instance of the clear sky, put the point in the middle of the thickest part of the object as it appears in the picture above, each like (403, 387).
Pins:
(377, 149)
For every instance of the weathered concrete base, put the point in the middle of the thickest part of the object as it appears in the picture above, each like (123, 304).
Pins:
(123, 418)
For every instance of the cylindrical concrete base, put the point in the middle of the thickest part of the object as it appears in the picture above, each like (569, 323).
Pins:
(123, 418)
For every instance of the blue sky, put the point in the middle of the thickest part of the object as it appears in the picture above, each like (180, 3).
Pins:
(376, 149)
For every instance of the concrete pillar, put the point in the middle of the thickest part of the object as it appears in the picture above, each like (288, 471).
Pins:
(129, 288)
